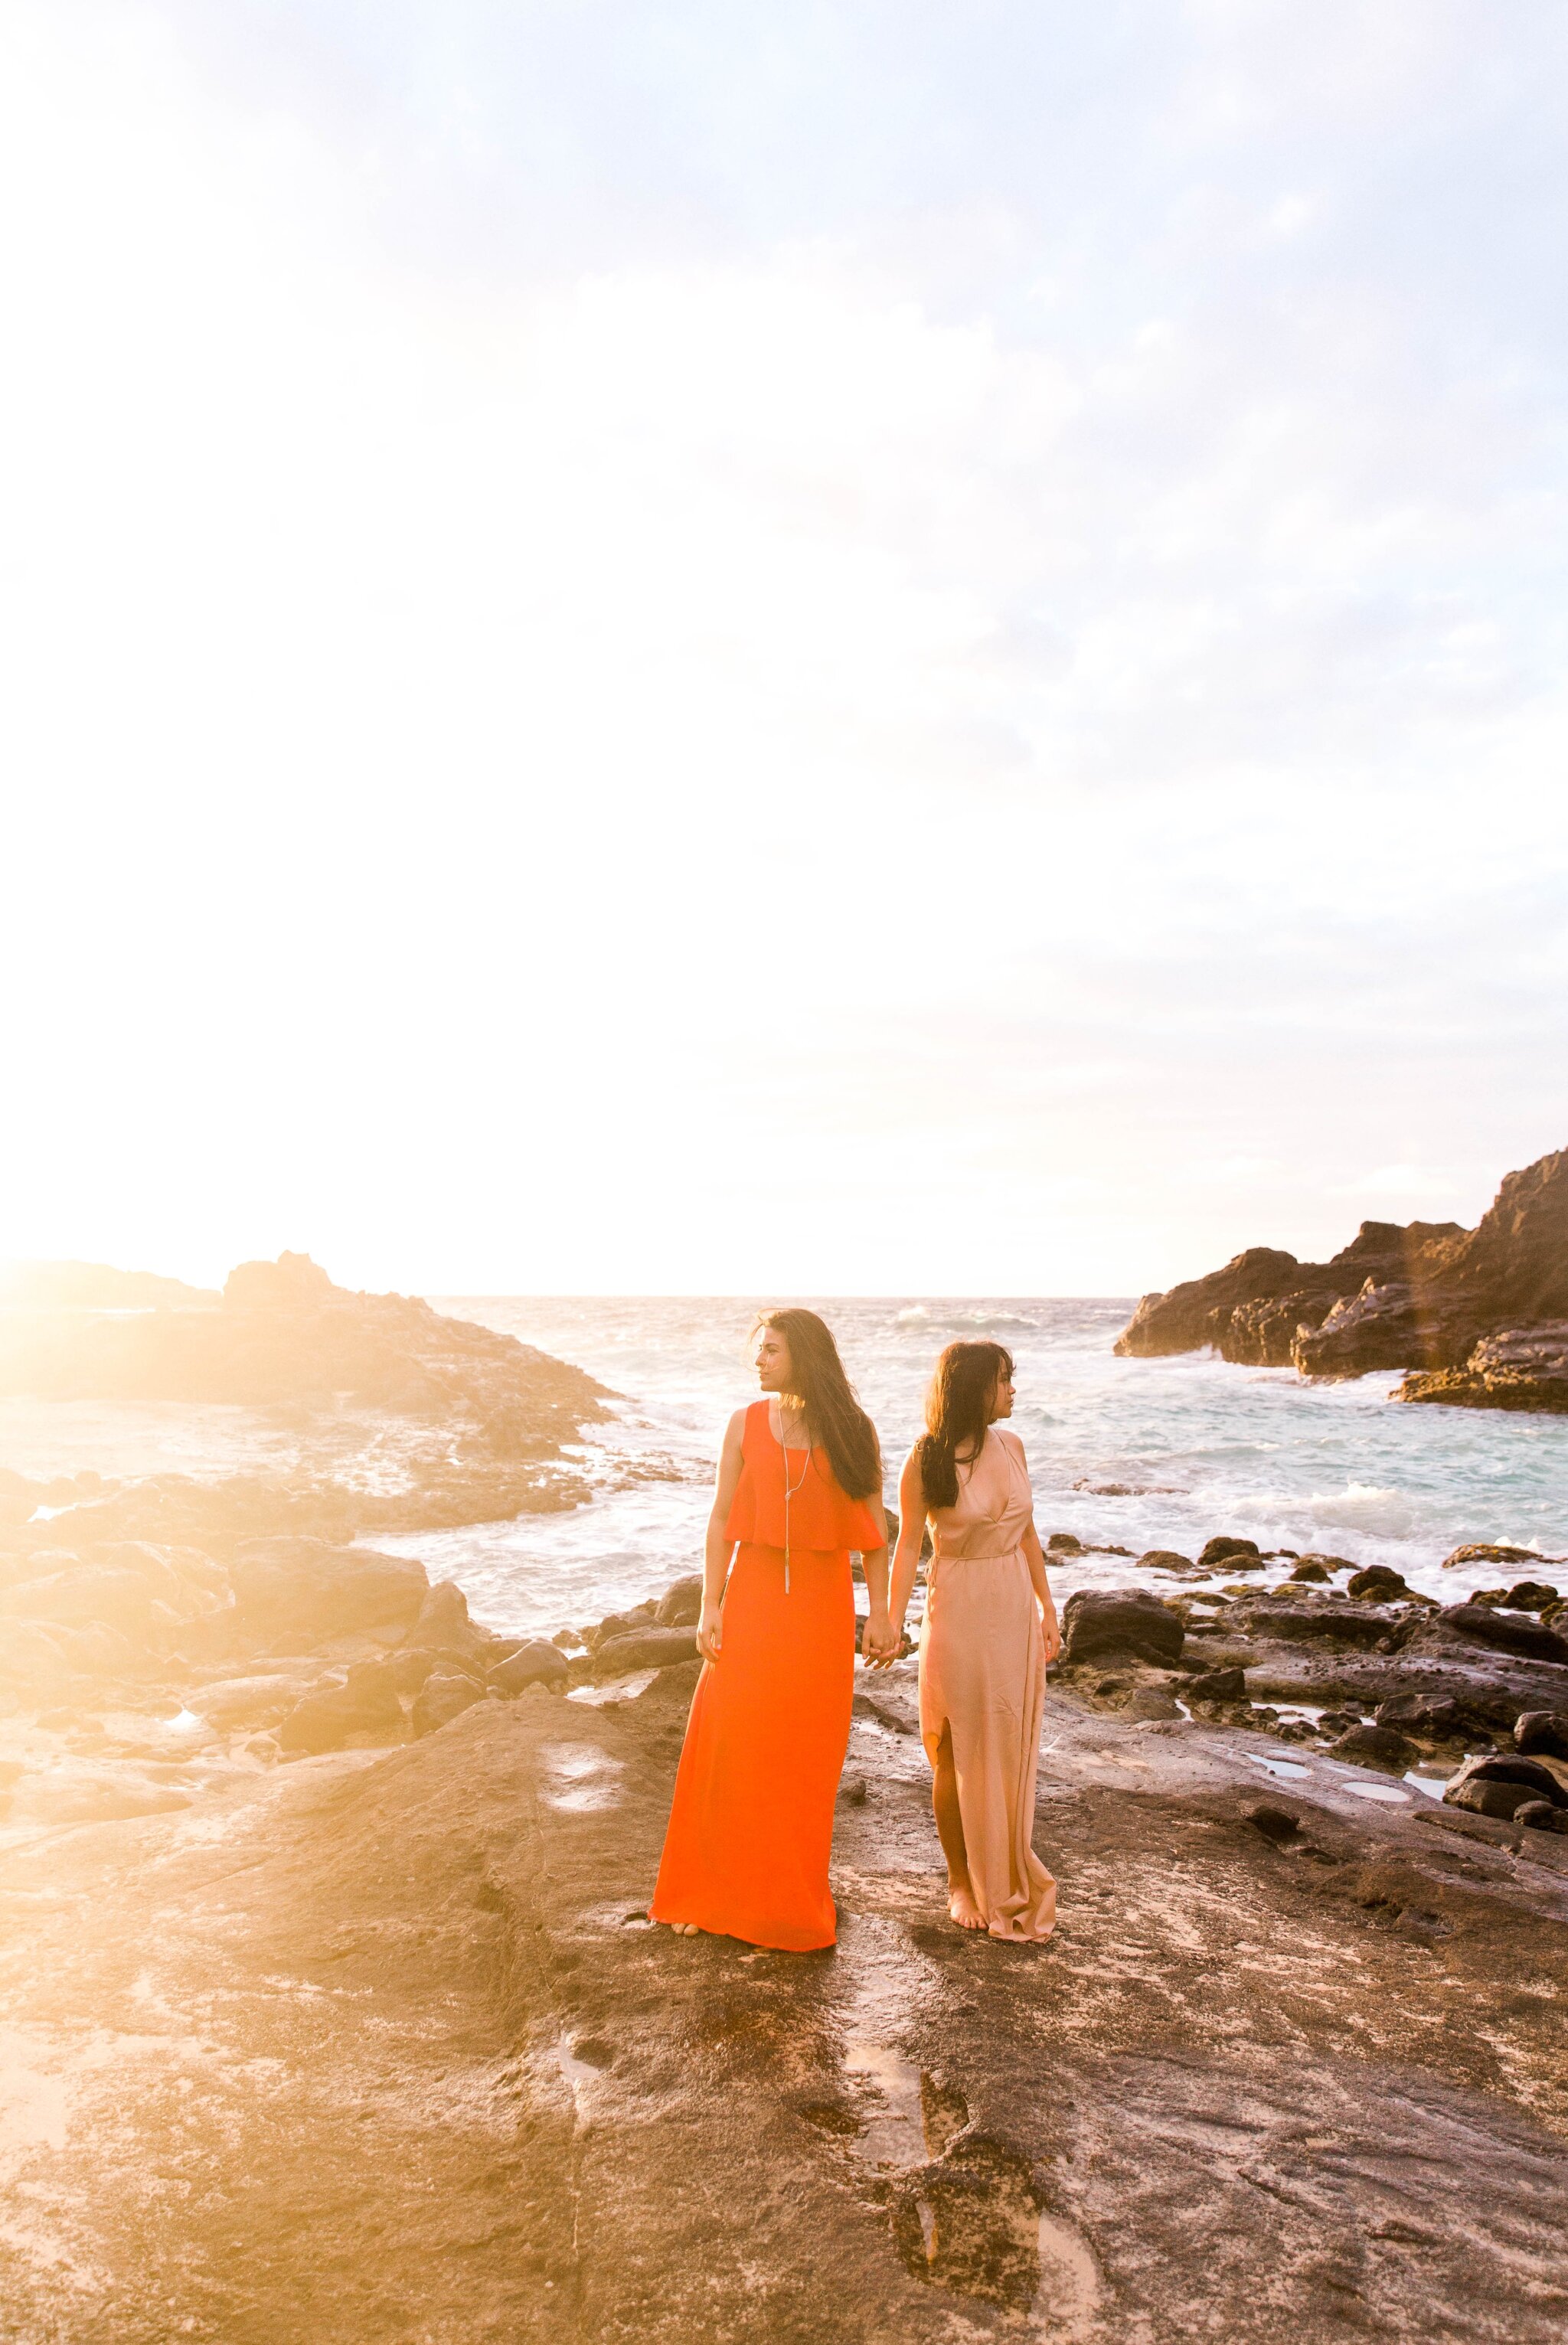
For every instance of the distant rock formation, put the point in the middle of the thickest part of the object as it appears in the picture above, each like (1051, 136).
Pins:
(95, 1286)
(1480, 1316)
(285, 1334)
(1251, 1310)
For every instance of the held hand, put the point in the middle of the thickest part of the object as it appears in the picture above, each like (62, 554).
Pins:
(880, 1642)
(710, 1632)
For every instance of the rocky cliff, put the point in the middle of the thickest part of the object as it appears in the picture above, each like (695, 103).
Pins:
(1480, 1316)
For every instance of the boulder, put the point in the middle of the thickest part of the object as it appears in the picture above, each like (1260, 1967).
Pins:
(305, 1588)
(1497, 1785)
(411, 1665)
(365, 1706)
(1508, 1633)
(680, 1605)
(1541, 1733)
(1275, 1823)
(233, 1703)
(1486, 1551)
(1436, 1716)
(1530, 1596)
(443, 1624)
(1165, 1558)
(1310, 1568)
(445, 1694)
(1218, 1685)
(1241, 1554)
(1377, 1746)
(1065, 1543)
(1377, 1584)
(642, 1649)
(1306, 1619)
(538, 1663)
(1540, 1816)
(1149, 1703)
(1121, 1620)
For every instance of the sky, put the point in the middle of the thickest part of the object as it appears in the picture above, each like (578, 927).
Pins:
(853, 648)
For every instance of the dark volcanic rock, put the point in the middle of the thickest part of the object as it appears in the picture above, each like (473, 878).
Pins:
(1195, 1313)
(642, 1649)
(1542, 1733)
(1306, 1619)
(366, 1705)
(303, 1588)
(1498, 1786)
(1239, 1552)
(1540, 1816)
(1219, 1685)
(1479, 1317)
(680, 1605)
(1438, 1716)
(1377, 1746)
(1518, 1368)
(1506, 1631)
(1379, 1584)
(1122, 1619)
(445, 1694)
(1165, 1558)
(538, 1663)
(1251, 1310)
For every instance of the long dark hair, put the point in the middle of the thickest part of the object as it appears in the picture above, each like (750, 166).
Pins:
(957, 1412)
(835, 1421)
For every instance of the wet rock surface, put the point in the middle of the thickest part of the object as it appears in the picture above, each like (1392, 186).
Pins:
(395, 2038)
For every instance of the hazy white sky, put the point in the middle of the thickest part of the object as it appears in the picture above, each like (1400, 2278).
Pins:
(860, 647)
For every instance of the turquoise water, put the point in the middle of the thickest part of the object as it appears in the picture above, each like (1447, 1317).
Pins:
(1200, 1445)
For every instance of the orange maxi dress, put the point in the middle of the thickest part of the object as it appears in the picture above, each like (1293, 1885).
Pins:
(751, 1826)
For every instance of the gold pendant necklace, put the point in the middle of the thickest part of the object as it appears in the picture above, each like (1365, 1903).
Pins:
(790, 1493)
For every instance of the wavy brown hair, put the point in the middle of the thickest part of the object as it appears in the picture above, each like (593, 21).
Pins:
(957, 1412)
(835, 1421)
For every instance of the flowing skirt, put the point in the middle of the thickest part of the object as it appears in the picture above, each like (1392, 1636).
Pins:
(982, 1673)
(751, 1827)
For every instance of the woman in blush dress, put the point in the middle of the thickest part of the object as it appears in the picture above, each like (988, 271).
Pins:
(800, 1489)
(990, 1630)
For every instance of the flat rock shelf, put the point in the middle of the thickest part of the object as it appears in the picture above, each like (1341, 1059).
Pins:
(381, 2045)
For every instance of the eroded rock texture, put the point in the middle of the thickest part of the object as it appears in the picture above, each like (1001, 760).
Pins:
(1480, 1316)
(381, 2049)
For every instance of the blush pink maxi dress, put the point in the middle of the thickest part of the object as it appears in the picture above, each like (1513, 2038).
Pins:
(982, 1673)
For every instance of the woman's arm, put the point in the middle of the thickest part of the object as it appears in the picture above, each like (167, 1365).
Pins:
(718, 1552)
(906, 1556)
(875, 1567)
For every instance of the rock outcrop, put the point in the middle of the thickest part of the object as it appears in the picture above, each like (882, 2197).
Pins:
(1478, 1317)
(1250, 1310)
(285, 1334)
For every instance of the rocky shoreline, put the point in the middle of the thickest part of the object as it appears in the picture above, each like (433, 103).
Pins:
(340, 1931)
(1478, 1318)
(331, 2005)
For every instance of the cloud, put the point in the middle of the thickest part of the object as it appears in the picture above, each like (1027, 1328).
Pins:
(632, 637)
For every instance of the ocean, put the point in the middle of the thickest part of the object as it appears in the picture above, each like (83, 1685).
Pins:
(1142, 1453)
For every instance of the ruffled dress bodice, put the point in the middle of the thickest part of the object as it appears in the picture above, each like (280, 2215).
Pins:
(821, 1519)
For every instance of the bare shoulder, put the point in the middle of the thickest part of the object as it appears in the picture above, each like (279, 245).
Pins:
(1010, 1440)
(735, 1431)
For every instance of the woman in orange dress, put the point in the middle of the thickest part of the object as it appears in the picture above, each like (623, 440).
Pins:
(800, 1489)
(990, 1630)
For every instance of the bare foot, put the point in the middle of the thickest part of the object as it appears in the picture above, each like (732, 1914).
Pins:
(687, 1929)
(961, 1905)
